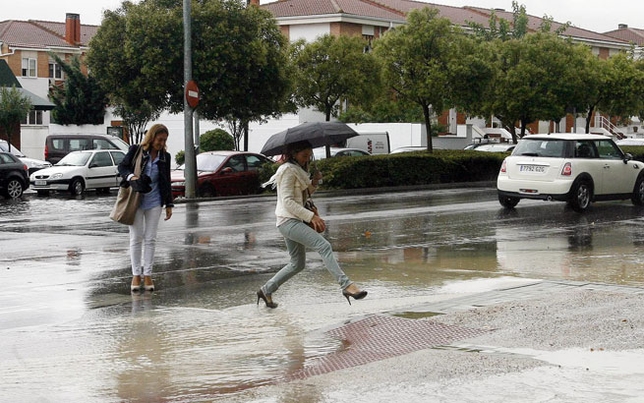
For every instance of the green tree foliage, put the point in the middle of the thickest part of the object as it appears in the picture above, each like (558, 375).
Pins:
(333, 69)
(80, 100)
(13, 108)
(416, 60)
(622, 84)
(501, 29)
(217, 139)
(535, 78)
(240, 58)
(136, 118)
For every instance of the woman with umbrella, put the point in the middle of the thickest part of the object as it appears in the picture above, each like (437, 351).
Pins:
(294, 184)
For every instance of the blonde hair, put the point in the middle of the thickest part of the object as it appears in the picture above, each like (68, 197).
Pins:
(152, 133)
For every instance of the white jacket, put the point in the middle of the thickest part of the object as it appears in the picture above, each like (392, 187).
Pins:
(292, 182)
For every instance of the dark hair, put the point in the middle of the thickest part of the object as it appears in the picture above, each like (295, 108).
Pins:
(294, 148)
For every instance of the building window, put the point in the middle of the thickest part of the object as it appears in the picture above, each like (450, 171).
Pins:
(55, 71)
(34, 118)
(29, 67)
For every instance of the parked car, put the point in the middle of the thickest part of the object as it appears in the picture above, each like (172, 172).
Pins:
(79, 171)
(223, 173)
(59, 145)
(495, 147)
(407, 149)
(14, 178)
(575, 168)
(32, 163)
(320, 152)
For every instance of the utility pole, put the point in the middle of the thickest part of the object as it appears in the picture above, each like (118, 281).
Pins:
(190, 173)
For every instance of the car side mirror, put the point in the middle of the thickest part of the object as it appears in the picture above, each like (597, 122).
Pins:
(93, 165)
(227, 170)
(627, 157)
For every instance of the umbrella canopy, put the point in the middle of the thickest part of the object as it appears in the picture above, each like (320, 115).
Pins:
(317, 133)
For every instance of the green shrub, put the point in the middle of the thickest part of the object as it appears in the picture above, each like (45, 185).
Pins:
(404, 169)
(217, 139)
(180, 157)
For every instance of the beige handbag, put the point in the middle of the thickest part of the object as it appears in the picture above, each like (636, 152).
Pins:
(127, 200)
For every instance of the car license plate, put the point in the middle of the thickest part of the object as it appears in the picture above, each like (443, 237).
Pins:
(40, 183)
(533, 168)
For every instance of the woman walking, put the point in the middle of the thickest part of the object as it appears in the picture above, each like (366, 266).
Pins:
(294, 184)
(154, 184)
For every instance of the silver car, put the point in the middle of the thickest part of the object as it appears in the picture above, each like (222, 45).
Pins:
(575, 168)
(32, 163)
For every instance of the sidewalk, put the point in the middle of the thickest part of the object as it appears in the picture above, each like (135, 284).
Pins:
(542, 341)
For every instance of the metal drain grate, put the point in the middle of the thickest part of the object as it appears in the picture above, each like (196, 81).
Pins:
(380, 337)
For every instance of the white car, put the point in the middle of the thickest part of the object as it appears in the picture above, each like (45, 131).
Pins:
(320, 152)
(32, 163)
(78, 171)
(576, 168)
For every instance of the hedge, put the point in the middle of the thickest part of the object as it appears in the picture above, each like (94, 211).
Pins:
(405, 169)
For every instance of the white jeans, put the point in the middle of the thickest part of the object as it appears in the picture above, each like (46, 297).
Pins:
(143, 238)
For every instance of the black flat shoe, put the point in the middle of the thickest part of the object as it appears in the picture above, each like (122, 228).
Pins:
(357, 295)
(267, 299)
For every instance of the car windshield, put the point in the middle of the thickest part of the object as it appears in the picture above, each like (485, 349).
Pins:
(540, 148)
(122, 145)
(75, 159)
(4, 146)
(207, 162)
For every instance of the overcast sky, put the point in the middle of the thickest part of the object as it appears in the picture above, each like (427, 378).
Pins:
(595, 15)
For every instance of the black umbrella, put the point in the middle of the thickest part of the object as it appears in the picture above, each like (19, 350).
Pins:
(317, 133)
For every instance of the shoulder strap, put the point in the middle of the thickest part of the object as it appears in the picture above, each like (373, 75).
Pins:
(138, 157)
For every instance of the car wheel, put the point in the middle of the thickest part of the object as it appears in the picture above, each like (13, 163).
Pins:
(508, 201)
(42, 192)
(207, 190)
(638, 192)
(77, 187)
(14, 189)
(580, 196)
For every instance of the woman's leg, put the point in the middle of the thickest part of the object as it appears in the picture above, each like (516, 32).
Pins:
(304, 235)
(152, 218)
(136, 242)
(298, 261)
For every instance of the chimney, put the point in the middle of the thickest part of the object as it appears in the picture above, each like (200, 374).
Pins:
(72, 29)
(253, 2)
(622, 26)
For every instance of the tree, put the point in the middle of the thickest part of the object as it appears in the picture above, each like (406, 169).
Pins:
(333, 69)
(80, 100)
(535, 78)
(13, 108)
(239, 58)
(416, 59)
(136, 118)
(217, 139)
(622, 83)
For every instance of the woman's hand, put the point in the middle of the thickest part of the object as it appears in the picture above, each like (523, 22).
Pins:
(317, 178)
(168, 213)
(318, 223)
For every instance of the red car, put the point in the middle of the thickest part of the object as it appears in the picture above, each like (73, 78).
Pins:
(223, 173)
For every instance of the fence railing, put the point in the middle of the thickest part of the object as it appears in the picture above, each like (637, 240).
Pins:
(602, 122)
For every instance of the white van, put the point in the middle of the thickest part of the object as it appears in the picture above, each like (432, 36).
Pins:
(372, 142)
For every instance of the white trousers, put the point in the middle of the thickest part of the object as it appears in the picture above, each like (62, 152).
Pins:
(143, 238)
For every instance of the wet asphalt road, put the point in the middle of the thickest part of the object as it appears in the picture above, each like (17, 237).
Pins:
(72, 331)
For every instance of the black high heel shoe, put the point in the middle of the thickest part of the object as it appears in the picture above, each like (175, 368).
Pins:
(267, 299)
(357, 295)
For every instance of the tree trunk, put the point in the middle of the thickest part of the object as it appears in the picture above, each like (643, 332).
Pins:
(428, 127)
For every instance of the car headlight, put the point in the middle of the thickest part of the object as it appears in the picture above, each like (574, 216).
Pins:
(56, 176)
(179, 184)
